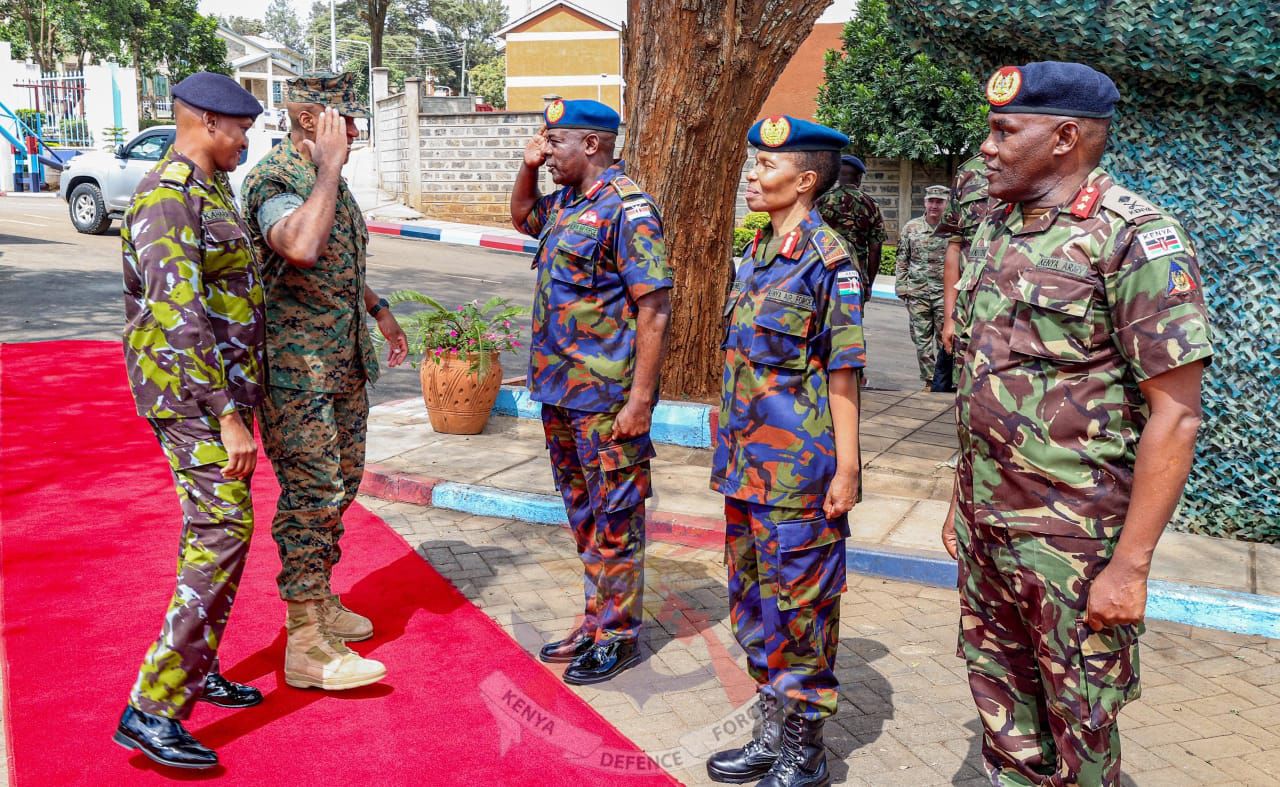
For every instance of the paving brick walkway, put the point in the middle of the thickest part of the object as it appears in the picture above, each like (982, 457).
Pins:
(1210, 714)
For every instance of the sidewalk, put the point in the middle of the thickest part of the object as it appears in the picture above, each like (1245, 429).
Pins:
(906, 438)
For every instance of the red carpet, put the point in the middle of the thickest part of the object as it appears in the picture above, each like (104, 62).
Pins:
(88, 537)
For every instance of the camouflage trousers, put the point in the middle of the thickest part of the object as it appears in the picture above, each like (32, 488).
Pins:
(924, 316)
(604, 485)
(217, 523)
(1048, 688)
(786, 574)
(315, 441)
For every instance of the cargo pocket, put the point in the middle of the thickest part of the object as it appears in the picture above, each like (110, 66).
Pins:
(811, 561)
(574, 263)
(1108, 673)
(1053, 316)
(781, 335)
(624, 472)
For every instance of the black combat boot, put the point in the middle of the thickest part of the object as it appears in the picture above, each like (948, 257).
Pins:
(752, 761)
(803, 761)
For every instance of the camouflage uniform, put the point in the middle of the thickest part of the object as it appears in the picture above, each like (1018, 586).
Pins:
(851, 212)
(193, 349)
(791, 320)
(1057, 321)
(599, 253)
(921, 252)
(968, 206)
(319, 358)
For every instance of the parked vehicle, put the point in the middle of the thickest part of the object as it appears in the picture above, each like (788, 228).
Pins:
(99, 185)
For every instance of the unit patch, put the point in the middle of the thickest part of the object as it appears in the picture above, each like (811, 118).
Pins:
(1160, 242)
(829, 248)
(1180, 282)
(637, 210)
(848, 284)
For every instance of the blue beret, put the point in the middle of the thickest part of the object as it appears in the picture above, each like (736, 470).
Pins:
(217, 93)
(784, 134)
(581, 113)
(1052, 88)
(854, 162)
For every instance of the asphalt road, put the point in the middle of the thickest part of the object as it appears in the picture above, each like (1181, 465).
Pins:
(57, 284)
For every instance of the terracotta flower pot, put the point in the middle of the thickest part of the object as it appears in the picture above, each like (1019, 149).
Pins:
(459, 400)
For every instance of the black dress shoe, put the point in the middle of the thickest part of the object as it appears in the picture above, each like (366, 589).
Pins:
(225, 694)
(164, 740)
(603, 661)
(567, 649)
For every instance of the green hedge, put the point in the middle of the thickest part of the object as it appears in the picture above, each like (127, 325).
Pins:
(744, 232)
(888, 260)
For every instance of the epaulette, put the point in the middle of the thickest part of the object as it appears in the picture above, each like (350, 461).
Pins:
(176, 173)
(626, 187)
(829, 247)
(1129, 206)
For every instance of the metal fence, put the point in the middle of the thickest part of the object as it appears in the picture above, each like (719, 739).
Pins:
(56, 109)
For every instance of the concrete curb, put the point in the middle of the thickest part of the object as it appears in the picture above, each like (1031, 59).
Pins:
(507, 242)
(687, 424)
(1193, 605)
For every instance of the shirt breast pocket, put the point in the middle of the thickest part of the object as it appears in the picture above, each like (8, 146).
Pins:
(781, 334)
(227, 251)
(574, 263)
(1053, 316)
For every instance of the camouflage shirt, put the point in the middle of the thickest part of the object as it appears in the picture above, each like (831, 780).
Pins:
(969, 203)
(599, 253)
(192, 298)
(792, 320)
(921, 252)
(1057, 321)
(849, 211)
(317, 337)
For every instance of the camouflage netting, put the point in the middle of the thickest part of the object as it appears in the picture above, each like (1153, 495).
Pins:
(1197, 132)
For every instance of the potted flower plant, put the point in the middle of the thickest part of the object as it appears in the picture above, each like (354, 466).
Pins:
(456, 353)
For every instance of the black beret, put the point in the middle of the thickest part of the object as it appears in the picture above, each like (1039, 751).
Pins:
(853, 161)
(1052, 88)
(217, 93)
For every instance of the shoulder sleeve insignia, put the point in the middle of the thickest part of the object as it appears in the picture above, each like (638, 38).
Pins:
(1127, 205)
(176, 173)
(626, 187)
(1180, 281)
(1161, 242)
(829, 247)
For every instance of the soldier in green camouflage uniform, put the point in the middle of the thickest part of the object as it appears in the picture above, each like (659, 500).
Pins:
(312, 239)
(921, 248)
(848, 210)
(968, 206)
(193, 346)
(1081, 335)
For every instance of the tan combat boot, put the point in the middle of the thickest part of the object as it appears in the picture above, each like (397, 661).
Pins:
(342, 622)
(315, 658)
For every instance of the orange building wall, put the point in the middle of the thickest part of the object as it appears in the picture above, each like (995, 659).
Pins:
(796, 91)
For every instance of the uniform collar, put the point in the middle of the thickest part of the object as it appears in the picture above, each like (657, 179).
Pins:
(794, 242)
(606, 177)
(1083, 205)
(197, 173)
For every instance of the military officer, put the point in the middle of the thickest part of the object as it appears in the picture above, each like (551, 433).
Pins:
(193, 344)
(921, 249)
(599, 328)
(786, 451)
(312, 240)
(968, 205)
(1081, 335)
(851, 212)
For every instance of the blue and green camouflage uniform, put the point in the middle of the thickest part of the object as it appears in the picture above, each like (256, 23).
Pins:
(193, 347)
(793, 318)
(1058, 320)
(599, 253)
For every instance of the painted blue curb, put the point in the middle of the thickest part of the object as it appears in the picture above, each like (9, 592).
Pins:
(685, 424)
(500, 503)
(890, 564)
(1243, 613)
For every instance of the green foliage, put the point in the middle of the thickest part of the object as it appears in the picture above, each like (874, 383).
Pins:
(282, 24)
(243, 25)
(146, 123)
(31, 118)
(746, 231)
(74, 131)
(896, 102)
(888, 260)
(490, 80)
(470, 24)
(472, 329)
(112, 136)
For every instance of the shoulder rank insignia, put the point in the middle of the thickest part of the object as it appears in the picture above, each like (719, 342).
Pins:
(791, 247)
(176, 173)
(1127, 205)
(626, 187)
(1082, 205)
(829, 247)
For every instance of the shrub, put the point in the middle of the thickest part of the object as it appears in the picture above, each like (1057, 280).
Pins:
(745, 232)
(888, 260)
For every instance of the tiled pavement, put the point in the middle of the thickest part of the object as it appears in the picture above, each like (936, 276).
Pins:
(1210, 714)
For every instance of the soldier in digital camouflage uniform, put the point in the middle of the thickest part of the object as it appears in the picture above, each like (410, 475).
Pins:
(599, 324)
(968, 206)
(786, 451)
(918, 273)
(193, 347)
(1081, 335)
(850, 211)
(312, 240)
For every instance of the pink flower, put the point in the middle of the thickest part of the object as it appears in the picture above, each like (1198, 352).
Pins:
(453, 334)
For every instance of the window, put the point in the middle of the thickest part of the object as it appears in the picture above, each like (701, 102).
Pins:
(149, 148)
(277, 95)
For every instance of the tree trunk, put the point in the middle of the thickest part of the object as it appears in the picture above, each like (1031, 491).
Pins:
(377, 19)
(697, 74)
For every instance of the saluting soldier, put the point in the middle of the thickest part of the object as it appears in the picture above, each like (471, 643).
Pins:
(852, 212)
(786, 452)
(193, 345)
(922, 248)
(1081, 335)
(599, 328)
(312, 240)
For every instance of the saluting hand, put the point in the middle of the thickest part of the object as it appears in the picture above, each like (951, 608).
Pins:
(535, 152)
(329, 149)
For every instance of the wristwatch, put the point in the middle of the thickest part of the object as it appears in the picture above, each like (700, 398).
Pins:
(379, 306)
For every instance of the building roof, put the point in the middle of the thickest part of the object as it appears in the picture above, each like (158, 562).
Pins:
(532, 15)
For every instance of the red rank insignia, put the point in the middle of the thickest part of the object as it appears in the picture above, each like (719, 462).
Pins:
(1082, 205)
(790, 244)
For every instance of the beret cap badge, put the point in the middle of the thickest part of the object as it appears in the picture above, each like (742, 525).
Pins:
(775, 131)
(1003, 86)
(555, 111)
